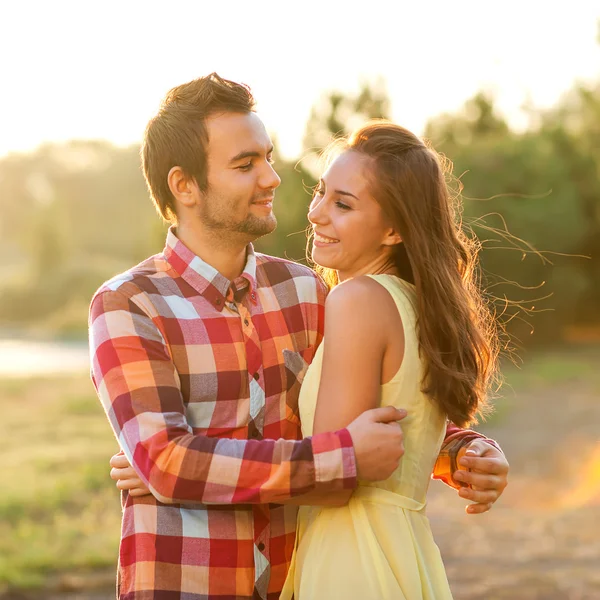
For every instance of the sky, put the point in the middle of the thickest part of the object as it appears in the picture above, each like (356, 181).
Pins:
(98, 70)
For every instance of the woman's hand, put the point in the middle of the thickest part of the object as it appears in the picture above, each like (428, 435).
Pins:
(125, 476)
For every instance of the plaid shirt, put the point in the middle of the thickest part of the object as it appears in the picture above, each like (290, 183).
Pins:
(199, 378)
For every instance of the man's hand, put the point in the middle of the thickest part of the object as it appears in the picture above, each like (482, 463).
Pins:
(127, 479)
(378, 442)
(484, 471)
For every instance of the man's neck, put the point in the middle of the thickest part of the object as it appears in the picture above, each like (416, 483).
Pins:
(227, 257)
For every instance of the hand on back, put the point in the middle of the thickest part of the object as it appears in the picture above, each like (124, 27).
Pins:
(126, 477)
(378, 442)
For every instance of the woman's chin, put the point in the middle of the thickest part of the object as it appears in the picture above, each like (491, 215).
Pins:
(320, 258)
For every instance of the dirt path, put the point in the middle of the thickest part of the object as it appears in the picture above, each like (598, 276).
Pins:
(542, 541)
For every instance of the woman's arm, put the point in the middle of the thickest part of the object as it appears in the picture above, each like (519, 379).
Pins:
(360, 317)
(360, 320)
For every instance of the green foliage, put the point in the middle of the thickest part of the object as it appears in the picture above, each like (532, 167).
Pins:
(533, 371)
(336, 115)
(291, 207)
(533, 199)
(84, 213)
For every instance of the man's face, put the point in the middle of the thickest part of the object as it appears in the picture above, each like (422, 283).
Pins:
(241, 180)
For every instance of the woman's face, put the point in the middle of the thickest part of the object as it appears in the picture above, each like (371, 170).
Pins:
(351, 234)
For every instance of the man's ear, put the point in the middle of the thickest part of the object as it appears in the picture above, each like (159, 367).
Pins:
(184, 189)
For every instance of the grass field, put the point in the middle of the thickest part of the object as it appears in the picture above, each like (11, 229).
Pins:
(60, 512)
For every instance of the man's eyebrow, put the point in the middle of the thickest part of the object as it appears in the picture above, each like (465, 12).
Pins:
(249, 154)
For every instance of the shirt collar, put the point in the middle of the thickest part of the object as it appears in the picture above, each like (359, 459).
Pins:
(205, 279)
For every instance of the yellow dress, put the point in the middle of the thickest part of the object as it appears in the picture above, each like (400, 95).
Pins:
(379, 546)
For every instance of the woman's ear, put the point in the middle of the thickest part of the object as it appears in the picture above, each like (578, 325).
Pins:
(184, 189)
(392, 238)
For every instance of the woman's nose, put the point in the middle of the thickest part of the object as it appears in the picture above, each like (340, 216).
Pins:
(316, 211)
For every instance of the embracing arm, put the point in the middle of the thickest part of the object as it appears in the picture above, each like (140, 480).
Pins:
(455, 443)
(474, 465)
(138, 386)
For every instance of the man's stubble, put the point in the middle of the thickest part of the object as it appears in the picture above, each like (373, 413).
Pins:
(215, 216)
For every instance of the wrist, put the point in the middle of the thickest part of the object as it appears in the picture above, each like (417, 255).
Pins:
(335, 460)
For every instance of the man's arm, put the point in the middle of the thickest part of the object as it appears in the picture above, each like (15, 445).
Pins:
(474, 465)
(456, 439)
(138, 386)
(380, 424)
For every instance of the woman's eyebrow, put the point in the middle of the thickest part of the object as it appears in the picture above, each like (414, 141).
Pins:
(340, 192)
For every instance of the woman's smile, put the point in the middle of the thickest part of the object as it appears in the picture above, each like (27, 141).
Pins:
(321, 240)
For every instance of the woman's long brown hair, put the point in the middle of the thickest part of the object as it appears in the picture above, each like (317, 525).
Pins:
(457, 331)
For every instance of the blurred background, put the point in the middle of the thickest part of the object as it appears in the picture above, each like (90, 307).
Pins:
(510, 92)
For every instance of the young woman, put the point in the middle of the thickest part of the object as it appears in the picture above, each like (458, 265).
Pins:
(407, 327)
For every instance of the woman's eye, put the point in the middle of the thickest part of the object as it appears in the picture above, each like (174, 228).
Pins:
(341, 205)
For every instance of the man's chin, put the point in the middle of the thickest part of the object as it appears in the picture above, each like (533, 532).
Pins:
(257, 228)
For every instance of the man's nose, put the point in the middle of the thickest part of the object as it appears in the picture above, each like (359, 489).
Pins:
(270, 180)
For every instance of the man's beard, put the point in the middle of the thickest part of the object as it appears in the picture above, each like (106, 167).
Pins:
(252, 226)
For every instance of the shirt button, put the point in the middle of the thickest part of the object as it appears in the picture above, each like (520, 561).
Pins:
(246, 322)
(218, 301)
(254, 433)
(256, 376)
(261, 546)
(253, 296)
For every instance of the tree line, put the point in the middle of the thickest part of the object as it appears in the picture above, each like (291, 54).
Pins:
(74, 214)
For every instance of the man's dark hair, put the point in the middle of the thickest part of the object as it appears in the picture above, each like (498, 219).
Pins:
(177, 135)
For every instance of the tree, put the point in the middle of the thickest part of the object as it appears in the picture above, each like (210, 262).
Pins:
(477, 120)
(336, 114)
(525, 192)
(574, 128)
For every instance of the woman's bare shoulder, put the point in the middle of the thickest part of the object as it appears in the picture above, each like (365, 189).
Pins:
(360, 297)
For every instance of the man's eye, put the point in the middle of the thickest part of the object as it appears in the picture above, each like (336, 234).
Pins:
(271, 160)
(245, 167)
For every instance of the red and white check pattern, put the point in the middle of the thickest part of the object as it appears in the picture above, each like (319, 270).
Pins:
(200, 379)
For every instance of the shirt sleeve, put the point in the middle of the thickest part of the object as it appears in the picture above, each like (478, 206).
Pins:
(456, 438)
(138, 386)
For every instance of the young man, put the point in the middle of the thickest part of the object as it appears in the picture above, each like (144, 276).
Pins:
(198, 354)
